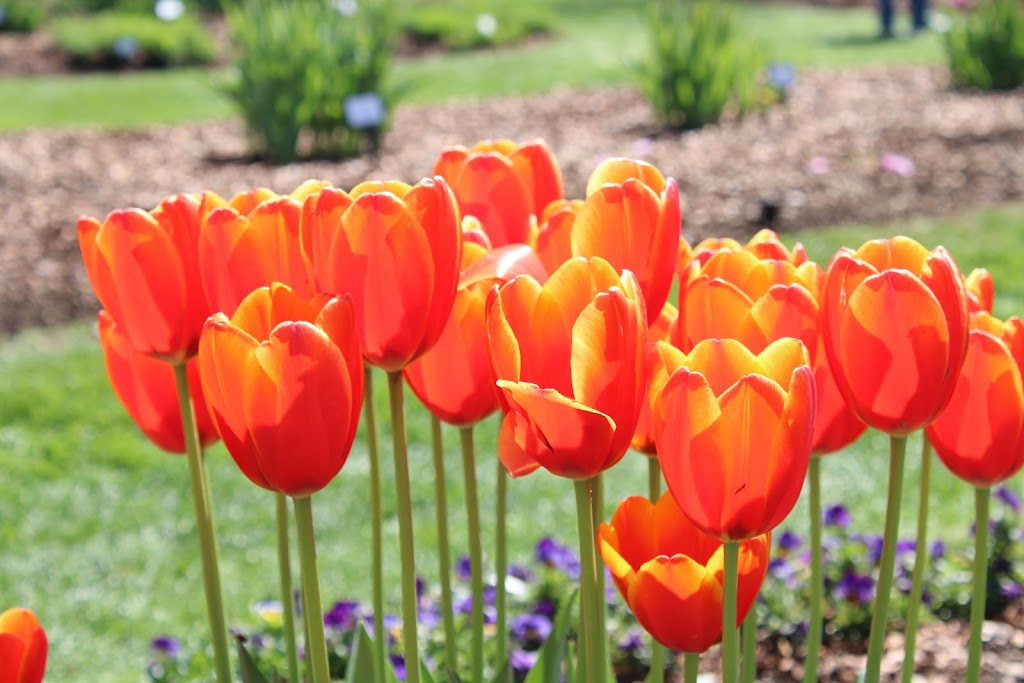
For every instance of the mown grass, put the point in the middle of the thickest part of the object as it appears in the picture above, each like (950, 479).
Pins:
(596, 44)
(96, 524)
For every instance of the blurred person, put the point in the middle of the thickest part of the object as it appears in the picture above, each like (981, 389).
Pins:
(918, 14)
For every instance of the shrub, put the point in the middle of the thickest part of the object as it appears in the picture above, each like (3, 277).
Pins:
(699, 64)
(985, 49)
(296, 63)
(133, 6)
(458, 26)
(21, 16)
(114, 39)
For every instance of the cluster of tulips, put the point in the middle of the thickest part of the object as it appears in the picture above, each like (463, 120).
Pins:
(257, 320)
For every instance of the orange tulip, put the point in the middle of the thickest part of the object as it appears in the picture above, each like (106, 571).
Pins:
(661, 330)
(23, 647)
(553, 241)
(733, 431)
(144, 267)
(835, 425)
(148, 391)
(671, 574)
(397, 250)
(246, 248)
(454, 379)
(284, 383)
(506, 186)
(633, 225)
(569, 358)
(895, 327)
(980, 434)
(980, 291)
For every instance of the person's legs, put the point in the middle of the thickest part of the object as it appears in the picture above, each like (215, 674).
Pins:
(885, 14)
(919, 11)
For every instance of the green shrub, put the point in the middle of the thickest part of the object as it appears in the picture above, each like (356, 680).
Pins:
(133, 6)
(985, 49)
(699, 63)
(114, 39)
(296, 62)
(21, 16)
(467, 25)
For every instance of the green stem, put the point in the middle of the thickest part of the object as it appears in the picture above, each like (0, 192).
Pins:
(981, 500)
(284, 565)
(476, 559)
(657, 674)
(443, 550)
(403, 493)
(920, 563)
(691, 667)
(749, 670)
(593, 644)
(377, 526)
(730, 639)
(597, 516)
(814, 625)
(316, 647)
(501, 569)
(880, 615)
(204, 528)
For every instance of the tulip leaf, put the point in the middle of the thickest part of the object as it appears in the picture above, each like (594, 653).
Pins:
(425, 675)
(504, 674)
(250, 672)
(360, 664)
(549, 663)
(452, 676)
(570, 664)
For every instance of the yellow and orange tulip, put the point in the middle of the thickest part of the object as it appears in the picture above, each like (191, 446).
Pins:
(733, 431)
(660, 330)
(283, 379)
(980, 291)
(670, 573)
(23, 647)
(895, 327)
(569, 359)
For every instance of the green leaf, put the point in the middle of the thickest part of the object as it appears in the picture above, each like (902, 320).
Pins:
(250, 672)
(570, 664)
(549, 663)
(360, 665)
(504, 674)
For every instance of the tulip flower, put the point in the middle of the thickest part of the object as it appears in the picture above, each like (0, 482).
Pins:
(284, 383)
(506, 186)
(895, 327)
(670, 573)
(661, 330)
(617, 170)
(553, 242)
(23, 647)
(980, 291)
(569, 358)
(146, 388)
(397, 250)
(144, 268)
(733, 431)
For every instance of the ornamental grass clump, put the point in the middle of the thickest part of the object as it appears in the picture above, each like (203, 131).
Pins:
(985, 50)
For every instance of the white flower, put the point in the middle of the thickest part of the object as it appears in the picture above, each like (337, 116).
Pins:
(486, 24)
(169, 10)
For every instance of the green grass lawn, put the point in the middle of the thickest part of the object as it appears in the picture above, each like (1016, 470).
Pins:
(96, 524)
(595, 45)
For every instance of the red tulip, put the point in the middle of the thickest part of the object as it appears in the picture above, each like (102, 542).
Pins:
(835, 425)
(569, 358)
(147, 389)
(733, 431)
(454, 379)
(895, 327)
(671, 574)
(23, 647)
(144, 268)
(980, 434)
(284, 383)
(506, 186)
(397, 250)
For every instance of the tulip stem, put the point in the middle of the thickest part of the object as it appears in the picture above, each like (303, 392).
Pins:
(284, 565)
(920, 563)
(377, 542)
(749, 670)
(880, 614)
(657, 674)
(814, 626)
(691, 667)
(403, 494)
(204, 528)
(476, 559)
(974, 647)
(501, 570)
(316, 648)
(597, 516)
(443, 550)
(730, 639)
(593, 645)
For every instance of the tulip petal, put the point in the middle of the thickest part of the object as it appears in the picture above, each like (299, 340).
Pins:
(898, 252)
(621, 570)
(723, 362)
(320, 219)
(617, 170)
(338, 321)
(267, 307)
(515, 459)
(781, 359)
(536, 165)
(634, 529)
(487, 186)
(788, 311)
(718, 309)
(679, 602)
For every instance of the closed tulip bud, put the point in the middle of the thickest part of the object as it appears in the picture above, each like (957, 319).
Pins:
(23, 647)
(733, 431)
(569, 358)
(147, 389)
(283, 379)
(895, 327)
(670, 573)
